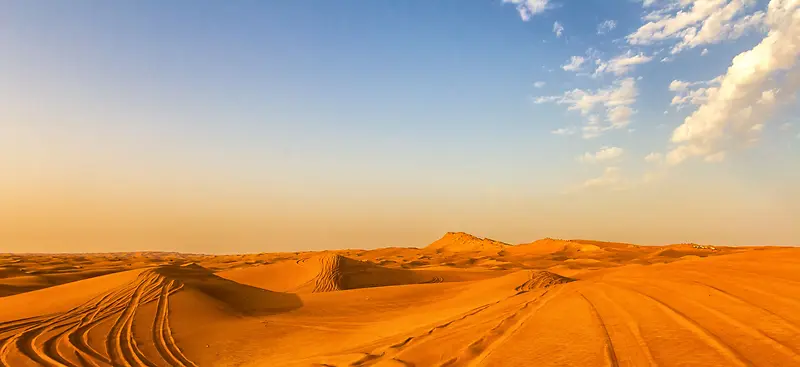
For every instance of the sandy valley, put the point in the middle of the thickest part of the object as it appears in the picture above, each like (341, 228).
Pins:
(460, 301)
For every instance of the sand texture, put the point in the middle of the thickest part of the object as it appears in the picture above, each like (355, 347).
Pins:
(462, 301)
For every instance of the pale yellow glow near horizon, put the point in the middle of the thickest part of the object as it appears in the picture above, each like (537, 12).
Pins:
(53, 218)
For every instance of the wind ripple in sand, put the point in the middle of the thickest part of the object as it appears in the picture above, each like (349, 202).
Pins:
(65, 335)
(330, 274)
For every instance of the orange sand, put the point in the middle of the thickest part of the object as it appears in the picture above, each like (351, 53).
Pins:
(462, 301)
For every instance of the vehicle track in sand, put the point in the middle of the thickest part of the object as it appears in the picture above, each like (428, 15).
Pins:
(611, 353)
(712, 340)
(754, 335)
(63, 339)
(628, 325)
(481, 348)
(506, 325)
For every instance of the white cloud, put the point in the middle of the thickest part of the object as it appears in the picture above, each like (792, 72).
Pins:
(528, 8)
(621, 64)
(767, 97)
(614, 103)
(704, 52)
(679, 85)
(654, 158)
(733, 107)
(574, 63)
(620, 116)
(786, 126)
(610, 177)
(606, 26)
(558, 29)
(649, 3)
(564, 131)
(757, 128)
(686, 94)
(605, 154)
(539, 84)
(696, 23)
(692, 97)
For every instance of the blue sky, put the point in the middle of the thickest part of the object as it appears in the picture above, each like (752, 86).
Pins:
(354, 105)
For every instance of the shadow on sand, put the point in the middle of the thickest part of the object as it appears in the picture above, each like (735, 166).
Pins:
(241, 298)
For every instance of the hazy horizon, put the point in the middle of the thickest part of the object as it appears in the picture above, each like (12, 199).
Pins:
(208, 127)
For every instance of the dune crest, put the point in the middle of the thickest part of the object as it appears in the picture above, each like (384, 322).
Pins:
(465, 242)
(542, 280)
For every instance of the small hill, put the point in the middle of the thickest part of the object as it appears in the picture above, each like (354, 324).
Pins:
(540, 247)
(325, 273)
(465, 242)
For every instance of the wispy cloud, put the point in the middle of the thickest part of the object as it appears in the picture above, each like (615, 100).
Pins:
(654, 158)
(696, 23)
(622, 64)
(564, 131)
(606, 26)
(574, 64)
(613, 103)
(604, 155)
(528, 8)
(611, 177)
(558, 29)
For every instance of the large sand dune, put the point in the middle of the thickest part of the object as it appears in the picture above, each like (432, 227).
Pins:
(463, 301)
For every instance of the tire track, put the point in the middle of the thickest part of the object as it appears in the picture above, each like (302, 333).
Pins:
(65, 336)
(632, 326)
(158, 329)
(119, 342)
(610, 353)
(537, 280)
(395, 349)
(171, 344)
(480, 349)
(753, 333)
(712, 340)
(162, 335)
(787, 323)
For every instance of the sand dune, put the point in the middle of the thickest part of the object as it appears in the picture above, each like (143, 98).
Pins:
(326, 273)
(463, 301)
(464, 242)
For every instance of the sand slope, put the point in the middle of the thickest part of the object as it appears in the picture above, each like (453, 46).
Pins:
(326, 273)
(556, 302)
(464, 242)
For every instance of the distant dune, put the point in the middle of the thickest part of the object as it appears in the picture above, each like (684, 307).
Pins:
(464, 242)
(460, 301)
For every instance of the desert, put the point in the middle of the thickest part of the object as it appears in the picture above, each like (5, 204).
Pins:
(460, 301)
(450, 183)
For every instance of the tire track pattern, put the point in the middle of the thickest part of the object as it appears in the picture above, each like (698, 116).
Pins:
(539, 282)
(62, 339)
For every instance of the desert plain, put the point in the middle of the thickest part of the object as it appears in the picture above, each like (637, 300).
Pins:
(460, 301)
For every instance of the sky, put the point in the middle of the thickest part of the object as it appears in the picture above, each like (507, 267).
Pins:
(262, 126)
